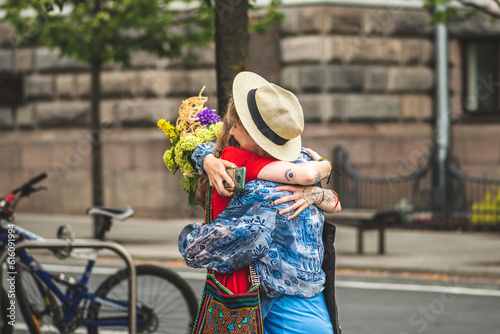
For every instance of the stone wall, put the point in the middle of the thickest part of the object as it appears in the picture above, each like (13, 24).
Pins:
(50, 131)
(365, 78)
(351, 64)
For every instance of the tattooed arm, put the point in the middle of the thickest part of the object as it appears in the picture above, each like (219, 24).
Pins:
(325, 199)
(305, 173)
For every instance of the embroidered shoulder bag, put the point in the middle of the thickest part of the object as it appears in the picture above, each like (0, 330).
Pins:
(220, 310)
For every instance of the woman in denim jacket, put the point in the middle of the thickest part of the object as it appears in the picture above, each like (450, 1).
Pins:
(286, 250)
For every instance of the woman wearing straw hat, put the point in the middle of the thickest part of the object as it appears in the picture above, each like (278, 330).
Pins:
(270, 124)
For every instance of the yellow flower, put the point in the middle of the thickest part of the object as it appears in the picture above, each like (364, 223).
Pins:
(161, 124)
(168, 128)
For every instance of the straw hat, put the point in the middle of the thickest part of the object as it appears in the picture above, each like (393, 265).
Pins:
(272, 116)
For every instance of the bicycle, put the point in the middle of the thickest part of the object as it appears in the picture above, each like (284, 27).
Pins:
(165, 302)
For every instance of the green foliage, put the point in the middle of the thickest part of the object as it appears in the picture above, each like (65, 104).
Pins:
(447, 12)
(109, 30)
(273, 15)
(189, 185)
(258, 25)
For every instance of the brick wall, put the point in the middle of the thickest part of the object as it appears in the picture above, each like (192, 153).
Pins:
(365, 78)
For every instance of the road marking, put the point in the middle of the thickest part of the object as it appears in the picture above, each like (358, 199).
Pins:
(418, 288)
(339, 284)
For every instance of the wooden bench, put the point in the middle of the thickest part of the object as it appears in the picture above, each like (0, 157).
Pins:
(364, 220)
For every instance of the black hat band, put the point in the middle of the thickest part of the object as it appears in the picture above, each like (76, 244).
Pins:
(259, 121)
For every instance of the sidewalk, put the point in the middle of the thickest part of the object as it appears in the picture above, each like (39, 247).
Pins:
(452, 253)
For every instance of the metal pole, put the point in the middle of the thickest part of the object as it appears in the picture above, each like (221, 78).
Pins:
(442, 117)
(117, 248)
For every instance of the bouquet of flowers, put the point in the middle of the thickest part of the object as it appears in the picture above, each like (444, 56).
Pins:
(195, 125)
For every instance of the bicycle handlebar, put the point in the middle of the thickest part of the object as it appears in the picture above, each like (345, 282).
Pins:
(8, 203)
(25, 188)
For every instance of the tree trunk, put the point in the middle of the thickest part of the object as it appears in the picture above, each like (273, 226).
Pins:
(231, 46)
(95, 128)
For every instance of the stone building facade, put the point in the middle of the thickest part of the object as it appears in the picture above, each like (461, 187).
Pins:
(364, 74)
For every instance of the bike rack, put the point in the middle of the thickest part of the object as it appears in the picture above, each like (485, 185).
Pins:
(94, 244)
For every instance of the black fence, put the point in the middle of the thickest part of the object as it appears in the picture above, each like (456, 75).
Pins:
(469, 202)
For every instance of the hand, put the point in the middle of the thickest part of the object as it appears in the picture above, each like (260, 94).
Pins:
(216, 172)
(314, 156)
(303, 197)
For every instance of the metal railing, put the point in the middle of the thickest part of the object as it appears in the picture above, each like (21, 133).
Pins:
(366, 192)
(470, 202)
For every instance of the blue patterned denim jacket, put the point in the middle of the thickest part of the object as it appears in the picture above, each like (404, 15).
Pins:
(287, 254)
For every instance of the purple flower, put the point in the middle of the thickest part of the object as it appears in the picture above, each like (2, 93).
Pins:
(207, 117)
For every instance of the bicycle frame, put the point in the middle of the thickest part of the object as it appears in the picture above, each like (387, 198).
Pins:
(75, 293)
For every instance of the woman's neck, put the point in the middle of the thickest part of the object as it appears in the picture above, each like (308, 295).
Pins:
(259, 151)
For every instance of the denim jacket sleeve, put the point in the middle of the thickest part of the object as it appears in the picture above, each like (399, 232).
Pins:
(199, 154)
(237, 237)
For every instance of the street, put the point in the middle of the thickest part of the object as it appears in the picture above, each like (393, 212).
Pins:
(415, 306)
(381, 305)
(370, 303)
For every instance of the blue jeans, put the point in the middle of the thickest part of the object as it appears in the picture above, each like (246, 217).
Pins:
(295, 315)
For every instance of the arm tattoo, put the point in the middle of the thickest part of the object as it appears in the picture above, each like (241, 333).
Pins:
(312, 195)
(330, 198)
(290, 175)
(317, 177)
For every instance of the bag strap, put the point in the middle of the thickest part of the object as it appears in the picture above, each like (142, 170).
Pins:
(209, 211)
(253, 276)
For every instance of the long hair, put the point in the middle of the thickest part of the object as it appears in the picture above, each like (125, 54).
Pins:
(224, 139)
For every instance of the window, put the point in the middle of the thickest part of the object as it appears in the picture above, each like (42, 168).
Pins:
(482, 86)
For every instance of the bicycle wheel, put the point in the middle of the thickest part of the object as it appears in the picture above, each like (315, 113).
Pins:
(38, 306)
(165, 302)
(5, 327)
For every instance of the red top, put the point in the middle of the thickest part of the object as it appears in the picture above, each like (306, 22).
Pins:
(238, 281)
(241, 158)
